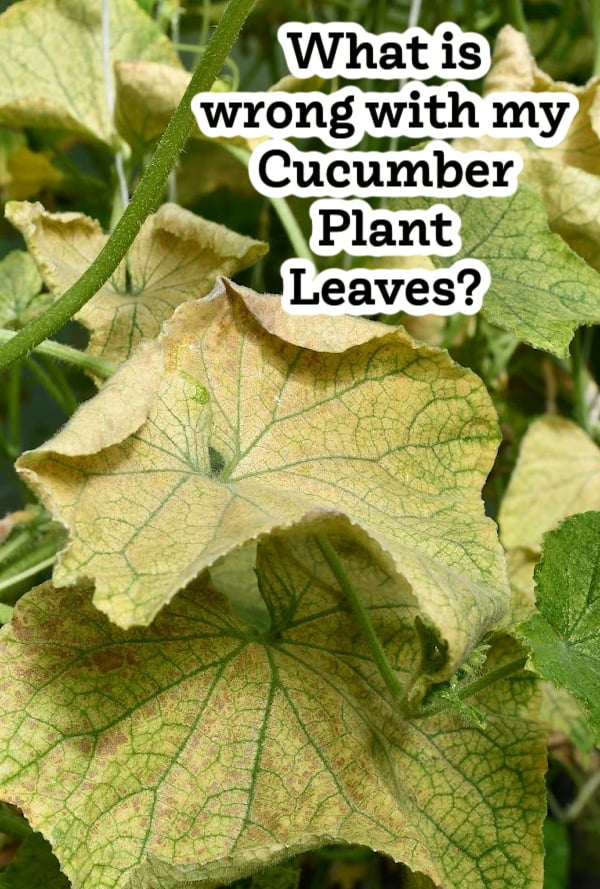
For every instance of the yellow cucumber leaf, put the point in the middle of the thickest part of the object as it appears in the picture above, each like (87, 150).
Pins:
(177, 256)
(557, 475)
(514, 70)
(147, 94)
(35, 33)
(198, 750)
(247, 432)
(567, 175)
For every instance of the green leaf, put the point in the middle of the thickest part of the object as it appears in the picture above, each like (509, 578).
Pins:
(196, 749)
(33, 37)
(540, 290)
(33, 865)
(558, 854)
(242, 419)
(20, 285)
(565, 635)
(177, 256)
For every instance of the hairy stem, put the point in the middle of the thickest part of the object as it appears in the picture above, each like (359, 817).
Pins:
(473, 688)
(97, 366)
(362, 618)
(147, 195)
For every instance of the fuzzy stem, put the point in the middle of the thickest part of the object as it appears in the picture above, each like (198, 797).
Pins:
(60, 352)
(478, 685)
(147, 195)
(362, 618)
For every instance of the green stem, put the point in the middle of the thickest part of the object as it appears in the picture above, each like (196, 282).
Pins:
(512, 14)
(147, 195)
(281, 207)
(362, 618)
(595, 17)
(45, 562)
(578, 370)
(473, 688)
(60, 352)
(6, 612)
(13, 411)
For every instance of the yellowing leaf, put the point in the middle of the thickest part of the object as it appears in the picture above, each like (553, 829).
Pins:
(34, 34)
(268, 745)
(20, 285)
(557, 474)
(514, 70)
(567, 175)
(572, 198)
(248, 433)
(177, 256)
(147, 94)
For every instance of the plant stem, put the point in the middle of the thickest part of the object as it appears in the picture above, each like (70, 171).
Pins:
(578, 371)
(583, 798)
(147, 195)
(362, 617)
(282, 208)
(478, 685)
(45, 562)
(50, 349)
(512, 14)
(595, 17)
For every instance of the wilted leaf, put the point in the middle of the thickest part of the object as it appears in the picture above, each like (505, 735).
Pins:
(248, 433)
(34, 34)
(564, 634)
(571, 197)
(147, 94)
(20, 285)
(268, 745)
(540, 291)
(514, 70)
(557, 474)
(177, 256)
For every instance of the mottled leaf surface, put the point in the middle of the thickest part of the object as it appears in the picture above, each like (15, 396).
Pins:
(541, 291)
(177, 256)
(246, 432)
(564, 635)
(34, 34)
(269, 745)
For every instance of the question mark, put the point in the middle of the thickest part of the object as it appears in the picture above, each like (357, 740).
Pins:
(477, 276)
(472, 287)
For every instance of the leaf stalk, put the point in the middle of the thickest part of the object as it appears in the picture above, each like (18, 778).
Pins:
(146, 197)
